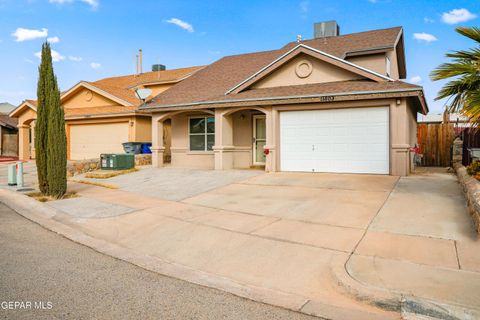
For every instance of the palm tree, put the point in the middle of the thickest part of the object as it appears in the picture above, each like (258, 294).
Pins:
(463, 90)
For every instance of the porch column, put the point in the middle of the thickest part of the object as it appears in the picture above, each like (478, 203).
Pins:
(32, 143)
(223, 148)
(24, 142)
(400, 147)
(157, 142)
(271, 157)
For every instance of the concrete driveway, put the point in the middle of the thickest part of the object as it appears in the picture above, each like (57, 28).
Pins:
(279, 237)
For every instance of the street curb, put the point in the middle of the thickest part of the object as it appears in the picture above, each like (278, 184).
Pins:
(409, 306)
(378, 297)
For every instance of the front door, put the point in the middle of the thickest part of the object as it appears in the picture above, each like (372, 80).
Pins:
(259, 139)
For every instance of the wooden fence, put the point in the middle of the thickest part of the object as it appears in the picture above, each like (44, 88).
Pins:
(471, 139)
(435, 142)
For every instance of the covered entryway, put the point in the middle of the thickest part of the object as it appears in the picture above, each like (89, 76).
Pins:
(88, 141)
(350, 140)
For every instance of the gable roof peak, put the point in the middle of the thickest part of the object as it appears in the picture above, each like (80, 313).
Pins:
(319, 54)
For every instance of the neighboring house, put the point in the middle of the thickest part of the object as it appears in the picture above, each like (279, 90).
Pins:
(101, 115)
(456, 119)
(459, 121)
(6, 107)
(330, 104)
(8, 135)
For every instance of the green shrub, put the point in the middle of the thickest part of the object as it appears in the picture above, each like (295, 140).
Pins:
(473, 168)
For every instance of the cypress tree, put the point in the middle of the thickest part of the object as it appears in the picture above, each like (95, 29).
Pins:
(57, 145)
(43, 92)
(50, 136)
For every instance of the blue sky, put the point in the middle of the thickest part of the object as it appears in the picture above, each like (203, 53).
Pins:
(99, 38)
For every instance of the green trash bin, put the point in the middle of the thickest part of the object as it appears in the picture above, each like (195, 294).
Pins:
(117, 161)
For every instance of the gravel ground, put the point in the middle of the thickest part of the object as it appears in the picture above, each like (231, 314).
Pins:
(37, 265)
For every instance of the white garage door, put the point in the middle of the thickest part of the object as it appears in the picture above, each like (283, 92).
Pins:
(354, 140)
(88, 141)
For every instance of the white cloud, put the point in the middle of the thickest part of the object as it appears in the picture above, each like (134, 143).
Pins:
(415, 79)
(182, 24)
(28, 60)
(95, 65)
(53, 39)
(304, 6)
(60, 1)
(56, 57)
(457, 15)
(22, 34)
(425, 37)
(76, 59)
(92, 3)
(428, 20)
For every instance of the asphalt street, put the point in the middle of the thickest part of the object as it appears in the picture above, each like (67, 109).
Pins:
(46, 276)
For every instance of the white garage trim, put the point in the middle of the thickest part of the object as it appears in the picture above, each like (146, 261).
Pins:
(88, 141)
(349, 140)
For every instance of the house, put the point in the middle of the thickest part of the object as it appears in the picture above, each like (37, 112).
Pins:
(458, 120)
(8, 135)
(6, 107)
(101, 115)
(330, 104)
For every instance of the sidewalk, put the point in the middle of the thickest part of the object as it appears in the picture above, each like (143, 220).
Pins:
(417, 247)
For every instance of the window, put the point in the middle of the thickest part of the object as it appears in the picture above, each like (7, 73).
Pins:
(201, 133)
(388, 66)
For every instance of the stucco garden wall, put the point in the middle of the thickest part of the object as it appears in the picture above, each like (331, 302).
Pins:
(82, 166)
(471, 188)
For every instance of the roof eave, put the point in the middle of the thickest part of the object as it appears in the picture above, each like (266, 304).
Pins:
(22, 105)
(92, 87)
(328, 94)
(401, 62)
(105, 115)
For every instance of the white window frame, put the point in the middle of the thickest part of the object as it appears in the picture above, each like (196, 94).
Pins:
(388, 66)
(206, 134)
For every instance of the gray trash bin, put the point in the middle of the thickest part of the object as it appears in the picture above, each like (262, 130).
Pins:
(132, 147)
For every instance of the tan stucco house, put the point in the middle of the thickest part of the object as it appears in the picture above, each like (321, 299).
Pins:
(101, 115)
(330, 104)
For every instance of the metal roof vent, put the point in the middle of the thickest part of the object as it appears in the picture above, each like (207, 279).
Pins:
(158, 67)
(326, 29)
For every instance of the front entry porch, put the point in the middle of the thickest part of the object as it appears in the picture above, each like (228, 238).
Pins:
(220, 139)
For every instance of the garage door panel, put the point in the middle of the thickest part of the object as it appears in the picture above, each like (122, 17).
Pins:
(339, 140)
(88, 141)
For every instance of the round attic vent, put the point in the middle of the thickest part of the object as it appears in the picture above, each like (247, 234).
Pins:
(303, 69)
(88, 95)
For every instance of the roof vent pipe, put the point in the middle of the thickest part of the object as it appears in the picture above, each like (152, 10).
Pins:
(140, 53)
(326, 29)
(136, 65)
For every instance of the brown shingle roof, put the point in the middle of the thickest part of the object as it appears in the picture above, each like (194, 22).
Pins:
(211, 83)
(341, 45)
(321, 89)
(130, 81)
(7, 121)
(122, 86)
